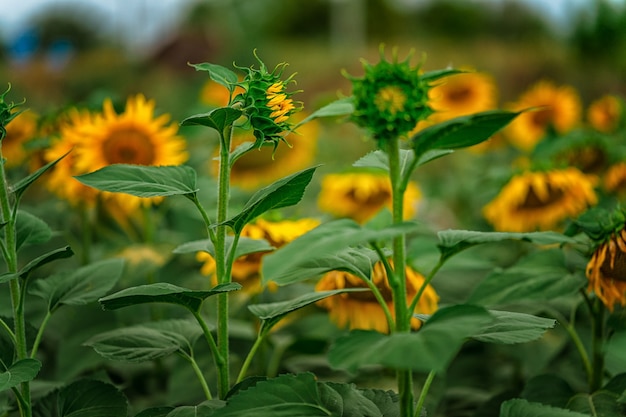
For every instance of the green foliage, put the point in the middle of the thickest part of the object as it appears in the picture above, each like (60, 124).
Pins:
(523, 408)
(219, 74)
(218, 119)
(21, 371)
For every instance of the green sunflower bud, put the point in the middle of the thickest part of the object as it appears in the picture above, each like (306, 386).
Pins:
(598, 224)
(389, 99)
(6, 112)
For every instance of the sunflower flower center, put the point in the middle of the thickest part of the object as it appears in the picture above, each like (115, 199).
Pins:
(128, 146)
(534, 201)
(459, 94)
(614, 265)
(375, 199)
(542, 118)
(391, 99)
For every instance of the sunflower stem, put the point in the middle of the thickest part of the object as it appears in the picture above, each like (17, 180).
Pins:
(429, 278)
(397, 280)
(424, 392)
(246, 363)
(597, 345)
(222, 269)
(379, 297)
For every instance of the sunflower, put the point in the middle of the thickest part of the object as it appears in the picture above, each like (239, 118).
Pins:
(540, 200)
(21, 129)
(216, 95)
(605, 113)
(246, 269)
(361, 310)
(553, 107)
(262, 166)
(135, 137)
(59, 180)
(614, 180)
(463, 94)
(360, 195)
(606, 271)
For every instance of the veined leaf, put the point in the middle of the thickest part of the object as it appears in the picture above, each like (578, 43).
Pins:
(60, 253)
(522, 408)
(245, 246)
(83, 398)
(430, 349)
(219, 74)
(204, 409)
(454, 241)
(21, 371)
(510, 327)
(341, 107)
(163, 292)
(217, 119)
(240, 151)
(143, 181)
(318, 247)
(379, 159)
(31, 230)
(285, 192)
(462, 131)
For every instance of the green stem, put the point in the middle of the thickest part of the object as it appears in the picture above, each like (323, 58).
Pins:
(246, 364)
(425, 389)
(427, 280)
(46, 318)
(198, 372)
(597, 345)
(205, 217)
(6, 327)
(86, 235)
(379, 297)
(397, 280)
(219, 361)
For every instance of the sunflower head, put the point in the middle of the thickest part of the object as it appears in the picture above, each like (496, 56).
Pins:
(606, 113)
(389, 99)
(267, 103)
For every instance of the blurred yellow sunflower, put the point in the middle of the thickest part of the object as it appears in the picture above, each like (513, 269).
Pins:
(246, 269)
(557, 107)
(19, 131)
(259, 167)
(360, 195)
(614, 180)
(135, 136)
(463, 94)
(361, 310)
(59, 179)
(540, 200)
(216, 95)
(605, 113)
(606, 271)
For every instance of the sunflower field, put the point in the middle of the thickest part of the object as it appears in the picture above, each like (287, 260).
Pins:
(397, 212)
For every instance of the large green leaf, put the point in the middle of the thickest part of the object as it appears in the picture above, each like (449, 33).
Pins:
(604, 402)
(454, 241)
(81, 286)
(379, 159)
(272, 313)
(548, 389)
(245, 246)
(462, 131)
(163, 292)
(616, 350)
(438, 74)
(522, 408)
(41, 260)
(83, 398)
(21, 186)
(204, 409)
(341, 107)
(21, 371)
(219, 74)
(146, 342)
(30, 230)
(143, 181)
(217, 119)
(285, 192)
(321, 244)
(509, 327)
(539, 276)
(430, 349)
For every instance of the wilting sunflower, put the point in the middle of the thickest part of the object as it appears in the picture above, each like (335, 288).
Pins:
(246, 269)
(59, 179)
(606, 271)
(260, 167)
(605, 113)
(360, 195)
(540, 200)
(135, 137)
(19, 131)
(557, 108)
(361, 310)
(462, 94)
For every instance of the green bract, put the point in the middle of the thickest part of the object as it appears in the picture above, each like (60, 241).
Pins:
(389, 99)
(6, 113)
(266, 103)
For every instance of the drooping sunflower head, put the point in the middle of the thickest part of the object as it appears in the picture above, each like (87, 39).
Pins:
(606, 113)
(606, 269)
(390, 99)
(267, 103)
(361, 310)
(246, 269)
(360, 195)
(539, 200)
(553, 107)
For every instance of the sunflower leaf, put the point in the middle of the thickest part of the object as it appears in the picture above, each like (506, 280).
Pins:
(521, 408)
(452, 242)
(21, 371)
(48, 257)
(341, 107)
(317, 249)
(539, 276)
(219, 74)
(31, 230)
(143, 181)
(437, 74)
(21, 186)
(240, 151)
(510, 327)
(379, 159)
(245, 246)
(430, 349)
(462, 131)
(163, 292)
(217, 119)
(282, 193)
